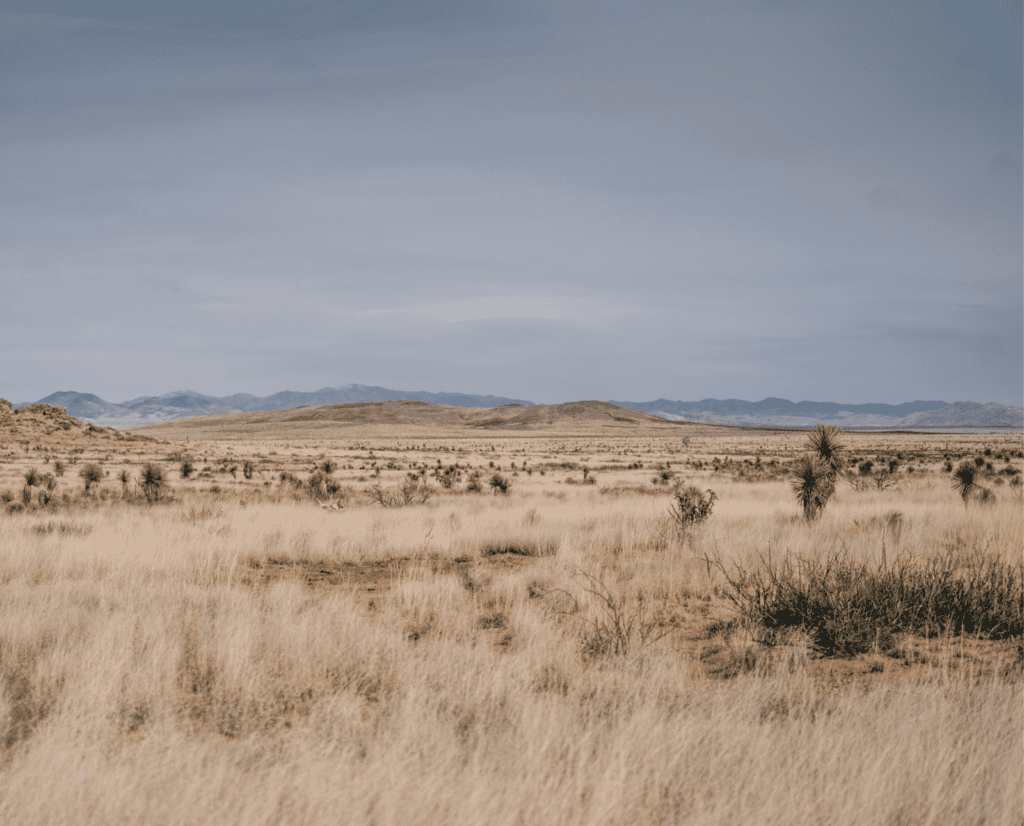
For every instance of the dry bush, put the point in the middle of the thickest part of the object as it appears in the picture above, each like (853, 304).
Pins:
(90, 475)
(616, 623)
(851, 606)
(408, 493)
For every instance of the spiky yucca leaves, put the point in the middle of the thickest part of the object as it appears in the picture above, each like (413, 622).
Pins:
(965, 479)
(824, 441)
(692, 506)
(813, 485)
(152, 482)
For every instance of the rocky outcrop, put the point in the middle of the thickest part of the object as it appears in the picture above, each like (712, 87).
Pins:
(43, 423)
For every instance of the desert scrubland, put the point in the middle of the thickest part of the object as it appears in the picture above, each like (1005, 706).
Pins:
(554, 647)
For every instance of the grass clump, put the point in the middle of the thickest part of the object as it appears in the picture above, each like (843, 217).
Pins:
(850, 606)
(611, 623)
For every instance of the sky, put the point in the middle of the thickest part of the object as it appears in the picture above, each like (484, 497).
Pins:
(536, 199)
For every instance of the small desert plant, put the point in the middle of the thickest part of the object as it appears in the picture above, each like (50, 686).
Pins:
(328, 466)
(32, 478)
(90, 475)
(449, 477)
(622, 625)
(152, 482)
(408, 493)
(692, 506)
(814, 476)
(850, 606)
(965, 479)
(813, 485)
(824, 442)
(187, 469)
(247, 468)
(321, 486)
(501, 484)
(474, 485)
(26, 496)
(58, 468)
(986, 497)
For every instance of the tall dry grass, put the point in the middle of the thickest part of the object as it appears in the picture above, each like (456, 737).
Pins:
(147, 679)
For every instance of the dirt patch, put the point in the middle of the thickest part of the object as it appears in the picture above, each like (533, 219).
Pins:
(370, 578)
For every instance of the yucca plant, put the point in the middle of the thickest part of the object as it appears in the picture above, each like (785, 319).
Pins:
(824, 441)
(91, 474)
(152, 482)
(692, 506)
(813, 484)
(965, 479)
(814, 476)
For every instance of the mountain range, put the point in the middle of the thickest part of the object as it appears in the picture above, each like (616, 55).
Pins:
(768, 412)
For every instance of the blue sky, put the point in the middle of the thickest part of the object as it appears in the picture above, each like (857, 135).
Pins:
(545, 200)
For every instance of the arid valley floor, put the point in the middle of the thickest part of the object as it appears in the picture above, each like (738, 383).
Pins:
(326, 623)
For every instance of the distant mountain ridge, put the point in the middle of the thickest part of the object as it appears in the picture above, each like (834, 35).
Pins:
(773, 412)
(181, 404)
(733, 408)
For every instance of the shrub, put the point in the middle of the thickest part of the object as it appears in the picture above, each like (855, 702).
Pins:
(691, 506)
(328, 466)
(187, 469)
(247, 468)
(850, 606)
(965, 479)
(408, 493)
(814, 476)
(449, 477)
(620, 626)
(985, 497)
(26, 496)
(321, 486)
(501, 484)
(58, 468)
(32, 478)
(474, 485)
(152, 482)
(812, 484)
(91, 474)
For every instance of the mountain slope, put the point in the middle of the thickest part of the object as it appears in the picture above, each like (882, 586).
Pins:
(416, 418)
(773, 412)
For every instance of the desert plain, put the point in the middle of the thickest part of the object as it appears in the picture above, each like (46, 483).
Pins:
(399, 614)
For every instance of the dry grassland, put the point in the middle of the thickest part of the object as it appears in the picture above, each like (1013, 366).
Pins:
(233, 653)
